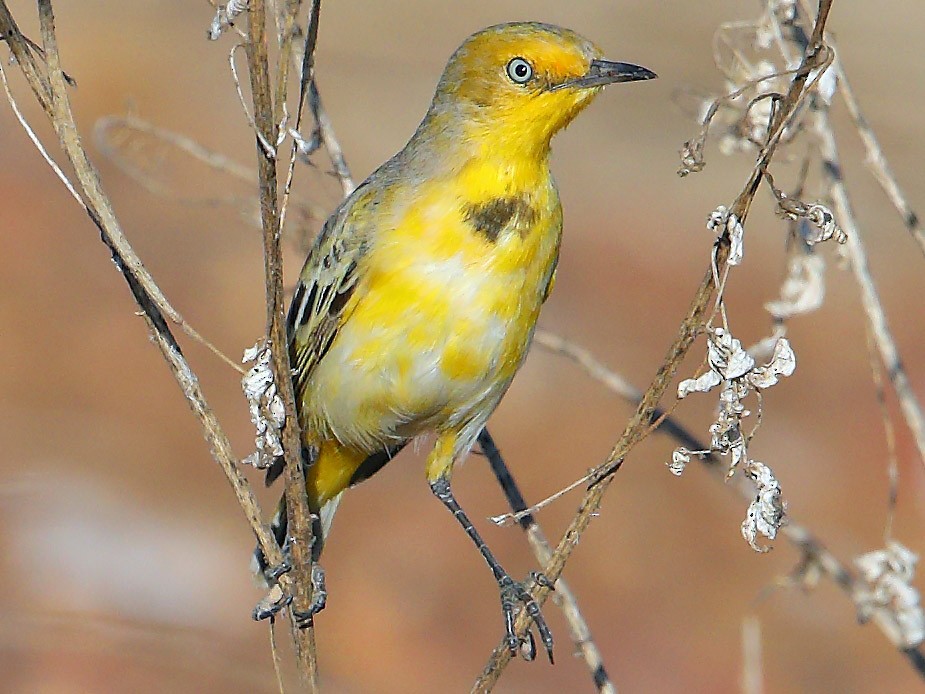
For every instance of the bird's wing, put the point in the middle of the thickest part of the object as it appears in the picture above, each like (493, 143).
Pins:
(321, 302)
(326, 284)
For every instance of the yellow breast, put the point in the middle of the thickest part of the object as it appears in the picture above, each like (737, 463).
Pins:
(444, 315)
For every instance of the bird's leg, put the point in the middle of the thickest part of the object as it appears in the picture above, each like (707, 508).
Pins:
(278, 598)
(512, 592)
(319, 590)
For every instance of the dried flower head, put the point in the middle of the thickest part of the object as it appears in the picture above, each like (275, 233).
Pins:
(266, 407)
(889, 573)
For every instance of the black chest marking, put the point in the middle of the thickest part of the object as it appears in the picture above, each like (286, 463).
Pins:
(494, 216)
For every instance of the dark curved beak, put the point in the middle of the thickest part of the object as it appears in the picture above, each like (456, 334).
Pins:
(603, 72)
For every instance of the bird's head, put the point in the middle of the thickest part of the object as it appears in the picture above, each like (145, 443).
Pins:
(516, 85)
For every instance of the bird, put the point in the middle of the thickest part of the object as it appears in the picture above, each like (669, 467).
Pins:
(419, 298)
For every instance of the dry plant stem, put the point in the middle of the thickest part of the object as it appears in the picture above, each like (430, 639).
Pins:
(306, 74)
(692, 326)
(329, 139)
(563, 596)
(878, 163)
(883, 174)
(815, 555)
(20, 46)
(857, 255)
(285, 38)
(51, 92)
(565, 599)
(787, 108)
(277, 659)
(299, 513)
(813, 550)
(875, 160)
(878, 328)
(209, 157)
(581, 356)
(596, 369)
(889, 432)
(44, 92)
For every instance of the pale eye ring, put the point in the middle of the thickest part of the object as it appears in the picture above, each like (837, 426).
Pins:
(520, 71)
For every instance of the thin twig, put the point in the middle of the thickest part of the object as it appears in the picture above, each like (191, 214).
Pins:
(286, 32)
(876, 161)
(51, 92)
(268, 149)
(556, 344)
(105, 135)
(299, 513)
(67, 132)
(690, 328)
(818, 559)
(877, 333)
(563, 596)
(889, 432)
(331, 144)
(115, 135)
(306, 74)
(815, 555)
(583, 357)
(277, 660)
(870, 297)
(528, 511)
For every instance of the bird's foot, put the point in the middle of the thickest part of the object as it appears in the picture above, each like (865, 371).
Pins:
(272, 573)
(514, 593)
(273, 602)
(279, 598)
(305, 619)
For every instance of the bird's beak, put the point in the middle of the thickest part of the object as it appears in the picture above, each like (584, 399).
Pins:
(604, 72)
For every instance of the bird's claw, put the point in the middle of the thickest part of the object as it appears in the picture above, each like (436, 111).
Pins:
(539, 579)
(513, 593)
(273, 573)
(278, 598)
(305, 619)
(274, 601)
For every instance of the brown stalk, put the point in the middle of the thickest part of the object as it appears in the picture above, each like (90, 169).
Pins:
(691, 327)
(50, 89)
(299, 513)
(45, 92)
(815, 554)
(875, 160)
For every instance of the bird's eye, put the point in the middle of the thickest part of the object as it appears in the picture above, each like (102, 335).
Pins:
(519, 70)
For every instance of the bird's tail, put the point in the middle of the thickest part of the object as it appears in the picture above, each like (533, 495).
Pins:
(361, 470)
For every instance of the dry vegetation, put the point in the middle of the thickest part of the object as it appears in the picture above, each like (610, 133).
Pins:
(782, 75)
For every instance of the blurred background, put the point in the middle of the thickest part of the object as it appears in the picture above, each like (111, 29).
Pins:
(123, 553)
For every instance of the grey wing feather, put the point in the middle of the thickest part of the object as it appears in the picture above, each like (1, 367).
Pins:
(326, 283)
(329, 277)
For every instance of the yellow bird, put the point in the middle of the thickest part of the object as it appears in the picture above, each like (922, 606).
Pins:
(419, 299)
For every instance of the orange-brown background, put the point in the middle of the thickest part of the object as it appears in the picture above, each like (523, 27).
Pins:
(123, 555)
